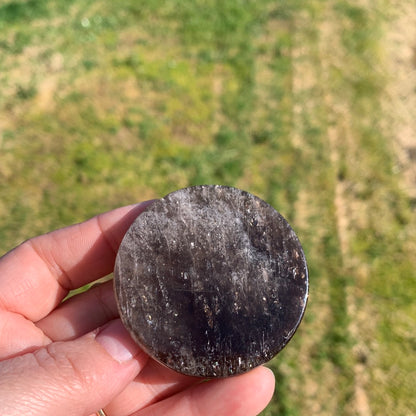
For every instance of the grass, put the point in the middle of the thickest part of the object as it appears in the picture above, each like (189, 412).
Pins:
(104, 104)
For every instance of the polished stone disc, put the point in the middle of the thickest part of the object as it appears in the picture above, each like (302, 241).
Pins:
(211, 281)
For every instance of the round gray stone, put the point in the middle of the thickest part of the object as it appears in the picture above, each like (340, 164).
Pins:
(211, 281)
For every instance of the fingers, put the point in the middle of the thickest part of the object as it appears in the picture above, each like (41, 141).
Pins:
(245, 395)
(161, 391)
(72, 319)
(19, 335)
(75, 378)
(81, 314)
(154, 383)
(38, 274)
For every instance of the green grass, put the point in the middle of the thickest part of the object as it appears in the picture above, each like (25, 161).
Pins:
(104, 104)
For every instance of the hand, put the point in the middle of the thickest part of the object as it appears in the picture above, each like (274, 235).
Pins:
(75, 357)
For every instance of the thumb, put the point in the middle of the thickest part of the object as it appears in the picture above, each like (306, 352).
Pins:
(74, 378)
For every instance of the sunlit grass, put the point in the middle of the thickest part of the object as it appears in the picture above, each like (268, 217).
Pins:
(104, 104)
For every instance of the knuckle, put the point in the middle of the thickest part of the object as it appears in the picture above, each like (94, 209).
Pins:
(63, 368)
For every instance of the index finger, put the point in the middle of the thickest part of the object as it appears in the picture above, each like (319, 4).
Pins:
(38, 274)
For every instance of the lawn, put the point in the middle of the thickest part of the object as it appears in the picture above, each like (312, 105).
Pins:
(108, 103)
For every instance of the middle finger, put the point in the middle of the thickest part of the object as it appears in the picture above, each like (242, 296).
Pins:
(81, 313)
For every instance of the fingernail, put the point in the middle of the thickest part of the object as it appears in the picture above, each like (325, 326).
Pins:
(115, 339)
(144, 204)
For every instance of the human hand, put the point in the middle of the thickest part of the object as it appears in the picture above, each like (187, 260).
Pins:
(75, 357)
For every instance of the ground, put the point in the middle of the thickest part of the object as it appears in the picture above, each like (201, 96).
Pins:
(309, 105)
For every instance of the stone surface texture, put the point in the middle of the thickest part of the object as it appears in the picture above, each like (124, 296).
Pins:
(211, 281)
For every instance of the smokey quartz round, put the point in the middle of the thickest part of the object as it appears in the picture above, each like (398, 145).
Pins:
(211, 281)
